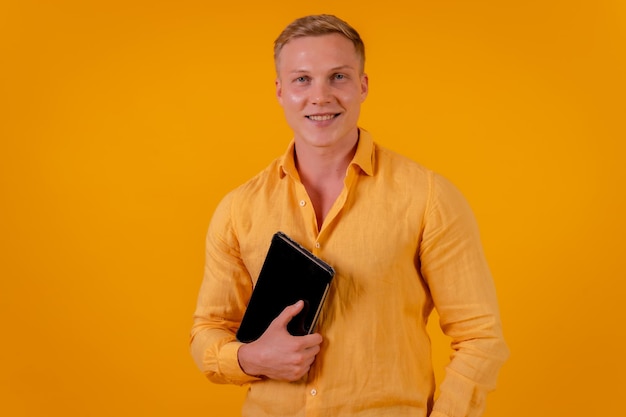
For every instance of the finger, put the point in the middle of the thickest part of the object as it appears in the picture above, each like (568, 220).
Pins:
(309, 341)
(288, 313)
(312, 350)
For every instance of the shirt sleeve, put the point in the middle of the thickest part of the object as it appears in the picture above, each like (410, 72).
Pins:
(224, 293)
(463, 292)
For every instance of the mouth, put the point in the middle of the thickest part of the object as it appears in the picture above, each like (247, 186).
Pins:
(322, 117)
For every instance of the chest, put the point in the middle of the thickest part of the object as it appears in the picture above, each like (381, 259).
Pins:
(367, 229)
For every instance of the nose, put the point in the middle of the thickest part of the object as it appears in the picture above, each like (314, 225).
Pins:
(321, 94)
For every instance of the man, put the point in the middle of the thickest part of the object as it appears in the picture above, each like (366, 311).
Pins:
(401, 239)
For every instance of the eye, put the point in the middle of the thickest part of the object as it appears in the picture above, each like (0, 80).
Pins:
(339, 76)
(302, 79)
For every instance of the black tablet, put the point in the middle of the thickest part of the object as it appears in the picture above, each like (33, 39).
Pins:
(289, 273)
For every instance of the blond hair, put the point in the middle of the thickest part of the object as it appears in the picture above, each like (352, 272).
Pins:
(318, 25)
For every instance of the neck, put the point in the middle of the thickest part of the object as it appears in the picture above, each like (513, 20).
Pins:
(322, 172)
(320, 165)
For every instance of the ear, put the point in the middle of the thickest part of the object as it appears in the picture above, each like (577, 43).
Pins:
(279, 91)
(364, 86)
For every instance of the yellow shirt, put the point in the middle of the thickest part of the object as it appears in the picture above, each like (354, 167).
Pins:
(402, 240)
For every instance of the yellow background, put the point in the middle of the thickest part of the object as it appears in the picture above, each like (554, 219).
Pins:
(124, 122)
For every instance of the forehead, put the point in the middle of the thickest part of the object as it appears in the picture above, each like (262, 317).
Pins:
(315, 52)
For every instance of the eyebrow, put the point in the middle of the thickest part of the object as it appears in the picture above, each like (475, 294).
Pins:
(339, 68)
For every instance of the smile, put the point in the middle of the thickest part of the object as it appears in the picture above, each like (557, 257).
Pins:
(322, 117)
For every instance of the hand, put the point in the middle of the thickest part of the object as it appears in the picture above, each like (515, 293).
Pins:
(279, 355)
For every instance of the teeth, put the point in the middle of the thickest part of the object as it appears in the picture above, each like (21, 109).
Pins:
(321, 117)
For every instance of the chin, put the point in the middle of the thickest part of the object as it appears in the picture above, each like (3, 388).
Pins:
(320, 138)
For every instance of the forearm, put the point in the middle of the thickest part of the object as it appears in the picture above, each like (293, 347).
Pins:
(470, 376)
(215, 352)
(479, 350)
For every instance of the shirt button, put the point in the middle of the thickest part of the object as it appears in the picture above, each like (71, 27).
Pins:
(314, 392)
(317, 245)
(302, 203)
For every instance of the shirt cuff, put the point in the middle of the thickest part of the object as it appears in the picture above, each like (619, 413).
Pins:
(229, 364)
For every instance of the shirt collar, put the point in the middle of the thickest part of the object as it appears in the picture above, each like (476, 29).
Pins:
(363, 157)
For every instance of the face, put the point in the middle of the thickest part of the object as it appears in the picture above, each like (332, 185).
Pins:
(321, 88)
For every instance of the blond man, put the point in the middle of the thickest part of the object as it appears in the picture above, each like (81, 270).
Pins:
(401, 238)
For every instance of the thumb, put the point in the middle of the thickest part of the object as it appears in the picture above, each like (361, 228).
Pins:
(288, 313)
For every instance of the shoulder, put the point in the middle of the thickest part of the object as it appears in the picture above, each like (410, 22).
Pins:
(265, 179)
(447, 205)
(404, 176)
(446, 192)
(400, 170)
(244, 195)
(390, 162)
(389, 159)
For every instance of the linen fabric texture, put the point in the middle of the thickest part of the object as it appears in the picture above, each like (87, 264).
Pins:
(402, 240)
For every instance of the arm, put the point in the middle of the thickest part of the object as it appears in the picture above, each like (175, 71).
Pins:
(454, 266)
(224, 295)
(225, 290)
